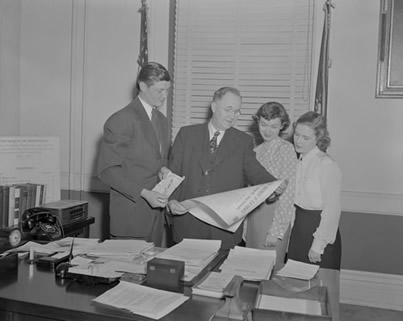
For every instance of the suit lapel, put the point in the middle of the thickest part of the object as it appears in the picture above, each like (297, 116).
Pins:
(223, 151)
(204, 160)
(224, 148)
(147, 127)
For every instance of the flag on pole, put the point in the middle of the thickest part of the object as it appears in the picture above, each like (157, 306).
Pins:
(143, 53)
(323, 68)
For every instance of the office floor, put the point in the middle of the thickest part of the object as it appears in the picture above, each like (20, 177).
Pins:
(361, 313)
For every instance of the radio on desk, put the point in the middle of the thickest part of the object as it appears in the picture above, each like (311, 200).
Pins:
(68, 211)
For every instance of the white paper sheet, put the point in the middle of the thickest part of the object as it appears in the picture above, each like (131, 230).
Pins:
(142, 300)
(270, 302)
(31, 159)
(168, 185)
(298, 270)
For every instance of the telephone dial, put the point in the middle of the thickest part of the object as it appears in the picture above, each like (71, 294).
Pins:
(41, 224)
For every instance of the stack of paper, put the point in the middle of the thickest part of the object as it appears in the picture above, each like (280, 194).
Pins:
(251, 264)
(141, 300)
(196, 254)
(213, 285)
(104, 267)
(298, 270)
(124, 250)
(81, 245)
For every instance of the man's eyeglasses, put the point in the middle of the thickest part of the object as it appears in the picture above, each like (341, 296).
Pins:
(236, 112)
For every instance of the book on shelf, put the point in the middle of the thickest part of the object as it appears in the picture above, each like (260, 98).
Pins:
(11, 205)
(3, 217)
(16, 199)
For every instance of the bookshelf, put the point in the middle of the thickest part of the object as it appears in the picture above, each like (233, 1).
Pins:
(15, 199)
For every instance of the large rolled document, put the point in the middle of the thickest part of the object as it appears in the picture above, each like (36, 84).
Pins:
(227, 210)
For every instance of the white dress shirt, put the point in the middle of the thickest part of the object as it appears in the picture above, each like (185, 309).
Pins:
(318, 187)
(147, 107)
(212, 130)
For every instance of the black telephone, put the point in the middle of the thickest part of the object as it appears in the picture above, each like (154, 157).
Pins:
(41, 224)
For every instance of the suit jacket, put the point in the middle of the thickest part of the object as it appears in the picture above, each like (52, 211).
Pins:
(129, 160)
(235, 166)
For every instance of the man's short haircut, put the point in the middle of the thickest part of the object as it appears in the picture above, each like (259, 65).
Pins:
(219, 93)
(152, 72)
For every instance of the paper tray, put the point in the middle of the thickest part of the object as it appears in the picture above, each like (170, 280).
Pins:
(272, 288)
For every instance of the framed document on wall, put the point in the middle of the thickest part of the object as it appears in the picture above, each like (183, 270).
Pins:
(390, 50)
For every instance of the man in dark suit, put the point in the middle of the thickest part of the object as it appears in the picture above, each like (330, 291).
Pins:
(214, 157)
(133, 153)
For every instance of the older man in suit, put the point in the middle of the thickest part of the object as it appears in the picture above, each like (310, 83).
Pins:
(214, 157)
(133, 153)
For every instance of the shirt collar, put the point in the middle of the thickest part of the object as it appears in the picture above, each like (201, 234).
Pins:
(212, 130)
(311, 154)
(148, 108)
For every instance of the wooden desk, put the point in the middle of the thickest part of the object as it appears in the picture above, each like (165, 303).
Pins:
(29, 294)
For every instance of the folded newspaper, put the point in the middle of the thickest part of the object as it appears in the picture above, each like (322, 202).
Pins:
(227, 210)
(168, 185)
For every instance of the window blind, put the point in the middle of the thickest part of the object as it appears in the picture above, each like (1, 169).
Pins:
(261, 47)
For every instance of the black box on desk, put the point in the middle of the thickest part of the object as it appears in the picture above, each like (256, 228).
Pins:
(165, 274)
(317, 295)
(68, 211)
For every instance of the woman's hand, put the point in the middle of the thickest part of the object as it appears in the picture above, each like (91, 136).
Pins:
(314, 257)
(271, 241)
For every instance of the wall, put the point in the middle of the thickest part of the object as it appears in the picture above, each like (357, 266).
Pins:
(367, 142)
(10, 21)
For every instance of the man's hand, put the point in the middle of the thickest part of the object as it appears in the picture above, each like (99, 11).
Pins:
(155, 199)
(163, 173)
(176, 208)
(314, 257)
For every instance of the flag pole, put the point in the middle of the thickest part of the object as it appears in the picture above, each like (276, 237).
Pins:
(321, 92)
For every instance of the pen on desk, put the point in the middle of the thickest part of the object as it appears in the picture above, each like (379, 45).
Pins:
(71, 250)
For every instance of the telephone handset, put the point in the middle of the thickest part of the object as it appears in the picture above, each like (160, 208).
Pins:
(41, 224)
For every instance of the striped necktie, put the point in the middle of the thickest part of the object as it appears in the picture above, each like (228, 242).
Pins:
(213, 142)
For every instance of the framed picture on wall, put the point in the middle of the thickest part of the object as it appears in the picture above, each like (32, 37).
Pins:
(390, 50)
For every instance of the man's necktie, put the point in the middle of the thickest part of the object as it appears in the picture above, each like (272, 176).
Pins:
(213, 142)
(157, 129)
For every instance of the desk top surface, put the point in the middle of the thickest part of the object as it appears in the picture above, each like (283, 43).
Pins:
(29, 290)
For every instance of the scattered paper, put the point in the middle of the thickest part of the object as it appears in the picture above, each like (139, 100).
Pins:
(141, 300)
(298, 270)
